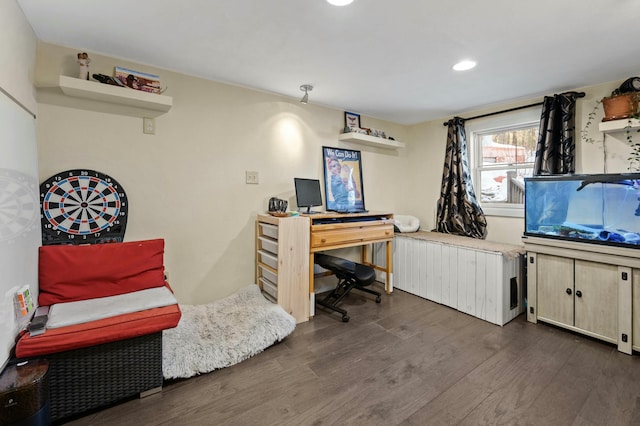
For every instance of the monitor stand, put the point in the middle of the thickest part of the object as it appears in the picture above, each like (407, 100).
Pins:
(309, 211)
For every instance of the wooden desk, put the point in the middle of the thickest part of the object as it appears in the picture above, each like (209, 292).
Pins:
(286, 247)
(331, 231)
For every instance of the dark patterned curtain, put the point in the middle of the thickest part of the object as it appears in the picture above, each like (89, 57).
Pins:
(458, 209)
(555, 151)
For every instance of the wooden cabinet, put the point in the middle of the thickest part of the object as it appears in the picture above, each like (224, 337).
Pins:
(577, 293)
(587, 288)
(285, 254)
(555, 274)
(282, 262)
(596, 298)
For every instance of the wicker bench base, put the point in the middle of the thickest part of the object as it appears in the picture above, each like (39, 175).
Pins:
(92, 377)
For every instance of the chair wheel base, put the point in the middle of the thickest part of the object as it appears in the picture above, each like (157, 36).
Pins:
(351, 276)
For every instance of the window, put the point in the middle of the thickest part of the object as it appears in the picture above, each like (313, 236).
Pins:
(502, 151)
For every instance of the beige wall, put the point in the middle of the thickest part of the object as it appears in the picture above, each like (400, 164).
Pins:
(186, 184)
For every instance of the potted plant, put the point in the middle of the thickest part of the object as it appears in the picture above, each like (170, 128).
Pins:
(620, 105)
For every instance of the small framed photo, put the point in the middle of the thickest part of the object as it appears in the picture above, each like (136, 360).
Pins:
(351, 120)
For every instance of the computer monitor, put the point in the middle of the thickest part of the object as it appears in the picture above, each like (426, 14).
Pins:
(307, 194)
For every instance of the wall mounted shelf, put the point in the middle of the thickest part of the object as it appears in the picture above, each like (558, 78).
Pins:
(91, 95)
(617, 126)
(370, 140)
(113, 94)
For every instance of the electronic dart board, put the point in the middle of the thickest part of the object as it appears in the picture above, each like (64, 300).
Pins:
(82, 207)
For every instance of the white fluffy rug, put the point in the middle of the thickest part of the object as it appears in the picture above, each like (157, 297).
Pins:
(223, 333)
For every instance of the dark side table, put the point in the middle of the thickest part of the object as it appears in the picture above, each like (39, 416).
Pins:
(24, 394)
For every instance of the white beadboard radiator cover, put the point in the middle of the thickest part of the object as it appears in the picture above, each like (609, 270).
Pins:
(477, 277)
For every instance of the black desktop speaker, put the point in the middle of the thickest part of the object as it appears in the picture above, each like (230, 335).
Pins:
(24, 394)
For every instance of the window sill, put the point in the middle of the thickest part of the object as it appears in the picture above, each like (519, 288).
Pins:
(503, 210)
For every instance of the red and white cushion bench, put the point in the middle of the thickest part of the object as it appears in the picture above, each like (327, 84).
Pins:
(107, 356)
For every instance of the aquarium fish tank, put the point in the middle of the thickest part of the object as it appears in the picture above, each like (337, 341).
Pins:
(598, 209)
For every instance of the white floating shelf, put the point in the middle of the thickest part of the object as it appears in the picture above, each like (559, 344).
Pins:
(370, 140)
(617, 126)
(115, 95)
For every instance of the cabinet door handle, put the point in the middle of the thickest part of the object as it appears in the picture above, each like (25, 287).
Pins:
(579, 293)
(568, 291)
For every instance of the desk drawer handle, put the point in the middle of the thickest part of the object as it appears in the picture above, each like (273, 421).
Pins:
(324, 240)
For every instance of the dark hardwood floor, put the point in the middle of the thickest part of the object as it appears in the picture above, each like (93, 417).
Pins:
(406, 361)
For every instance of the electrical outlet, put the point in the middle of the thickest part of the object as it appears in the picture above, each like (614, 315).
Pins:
(252, 177)
(149, 126)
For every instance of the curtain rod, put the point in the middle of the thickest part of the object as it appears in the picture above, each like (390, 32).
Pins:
(446, 123)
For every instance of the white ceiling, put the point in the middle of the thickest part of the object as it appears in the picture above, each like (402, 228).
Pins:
(382, 58)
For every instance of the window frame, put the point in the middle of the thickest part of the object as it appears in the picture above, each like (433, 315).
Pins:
(496, 123)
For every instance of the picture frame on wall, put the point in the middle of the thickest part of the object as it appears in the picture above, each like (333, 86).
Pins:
(351, 120)
(343, 187)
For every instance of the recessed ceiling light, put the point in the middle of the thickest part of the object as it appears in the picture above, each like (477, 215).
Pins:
(464, 65)
(339, 2)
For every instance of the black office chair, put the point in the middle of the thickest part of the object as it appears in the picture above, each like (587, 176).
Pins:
(350, 275)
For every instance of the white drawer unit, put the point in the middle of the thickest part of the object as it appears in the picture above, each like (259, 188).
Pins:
(282, 262)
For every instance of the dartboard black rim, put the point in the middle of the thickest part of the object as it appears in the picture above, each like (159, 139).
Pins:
(82, 206)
